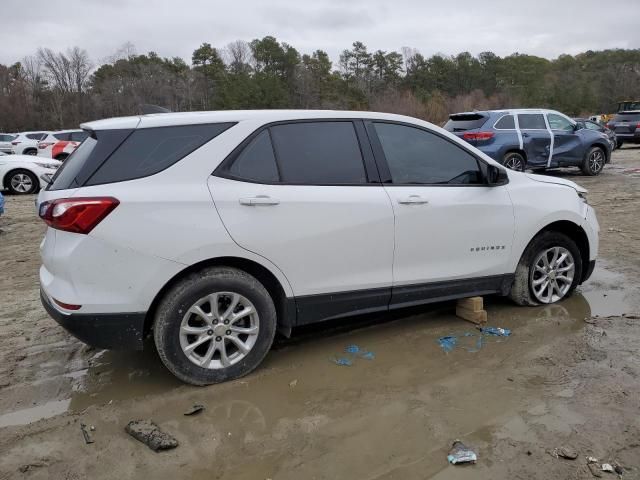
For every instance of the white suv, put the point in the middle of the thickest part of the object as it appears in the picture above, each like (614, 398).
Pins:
(212, 230)
(26, 143)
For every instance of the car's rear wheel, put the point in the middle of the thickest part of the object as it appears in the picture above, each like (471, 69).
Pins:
(514, 161)
(549, 270)
(21, 182)
(619, 143)
(214, 325)
(594, 161)
(62, 157)
(31, 151)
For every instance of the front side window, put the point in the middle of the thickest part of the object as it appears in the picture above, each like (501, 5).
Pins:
(557, 122)
(415, 156)
(531, 121)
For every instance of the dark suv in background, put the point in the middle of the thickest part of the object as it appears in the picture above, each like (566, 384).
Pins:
(534, 139)
(626, 126)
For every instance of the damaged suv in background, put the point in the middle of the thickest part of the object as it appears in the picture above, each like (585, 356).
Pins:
(277, 219)
(534, 139)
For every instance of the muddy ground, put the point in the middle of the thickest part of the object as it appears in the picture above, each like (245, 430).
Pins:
(569, 375)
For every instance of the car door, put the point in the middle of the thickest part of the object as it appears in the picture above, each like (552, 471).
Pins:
(299, 195)
(453, 233)
(536, 139)
(5, 143)
(567, 146)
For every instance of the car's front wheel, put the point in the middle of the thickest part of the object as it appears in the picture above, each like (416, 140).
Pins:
(514, 161)
(21, 182)
(549, 270)
(594, 161)
(214, 325)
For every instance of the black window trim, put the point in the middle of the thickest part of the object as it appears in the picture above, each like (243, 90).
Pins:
(368, 160)
(385, 172)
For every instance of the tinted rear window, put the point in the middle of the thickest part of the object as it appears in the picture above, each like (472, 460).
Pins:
(117, 155)
(506, 123)
(531, 121)
(460, 122)
(627, 117)
(318, 153)
(79, 136)
(62, 136)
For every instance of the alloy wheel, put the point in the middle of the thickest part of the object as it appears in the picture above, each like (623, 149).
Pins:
(21, 183)
(219, 330)
(514, 163)
(596, 161)
(552, 274)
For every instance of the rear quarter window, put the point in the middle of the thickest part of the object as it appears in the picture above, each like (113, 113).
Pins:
(506, 123)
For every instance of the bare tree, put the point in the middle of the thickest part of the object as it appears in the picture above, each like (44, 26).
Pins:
(237, 55)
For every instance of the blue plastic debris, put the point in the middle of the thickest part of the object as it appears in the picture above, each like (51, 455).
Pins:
(342, 361)
(352, 349)
(496, 331)
(368, 355)
(448, 343)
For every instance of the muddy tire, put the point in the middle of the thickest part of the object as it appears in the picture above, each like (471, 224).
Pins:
(530, 277)
(215, 325)
(514, 161)
(594, 161)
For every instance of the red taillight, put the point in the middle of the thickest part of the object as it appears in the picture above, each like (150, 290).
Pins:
(77, 215)
(67, 306)
(43, 145)
(15, 143)
(477, 135)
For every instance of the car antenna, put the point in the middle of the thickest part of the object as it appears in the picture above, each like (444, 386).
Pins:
(148, 108)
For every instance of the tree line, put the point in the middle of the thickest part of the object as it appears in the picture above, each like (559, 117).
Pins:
(53, 90)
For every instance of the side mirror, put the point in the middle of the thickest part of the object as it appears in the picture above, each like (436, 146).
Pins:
(577, 127)
(496, 176)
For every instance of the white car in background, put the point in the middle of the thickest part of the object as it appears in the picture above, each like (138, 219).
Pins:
(22, 174)
(59, 145)
(26, 143)
(5, 142)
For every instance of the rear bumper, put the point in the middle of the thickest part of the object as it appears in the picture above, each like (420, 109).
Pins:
(114, 331)
(628, 137)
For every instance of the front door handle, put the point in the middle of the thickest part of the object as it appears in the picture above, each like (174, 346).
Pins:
(413, 200)
(259, 200)
(524, 134)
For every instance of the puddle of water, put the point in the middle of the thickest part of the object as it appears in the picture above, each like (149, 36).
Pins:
(33, 414)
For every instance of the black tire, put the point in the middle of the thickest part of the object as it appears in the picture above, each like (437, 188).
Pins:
(522, 289)
(514, 161)
(173, 306)
(13, 184)
(30, 151)
(594, 161)
(62, 157)
(619, 143)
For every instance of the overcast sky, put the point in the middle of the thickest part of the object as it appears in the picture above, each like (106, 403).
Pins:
(176, 28)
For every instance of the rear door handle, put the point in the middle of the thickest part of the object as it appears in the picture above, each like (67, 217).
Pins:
(413, 200)
(259, 200)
